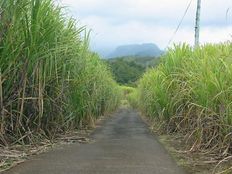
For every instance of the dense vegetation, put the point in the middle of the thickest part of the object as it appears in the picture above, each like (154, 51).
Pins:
(49, 80)
(190, 92)
(127, 70)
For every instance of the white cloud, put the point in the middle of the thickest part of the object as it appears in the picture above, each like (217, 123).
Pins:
(116, 22)
(140, 9)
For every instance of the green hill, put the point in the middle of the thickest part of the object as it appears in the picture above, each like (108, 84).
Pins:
(127, 70)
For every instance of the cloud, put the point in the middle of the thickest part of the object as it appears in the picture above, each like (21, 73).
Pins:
(116, 22)
(161, 10)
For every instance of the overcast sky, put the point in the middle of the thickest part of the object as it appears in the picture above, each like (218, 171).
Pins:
(118, 22)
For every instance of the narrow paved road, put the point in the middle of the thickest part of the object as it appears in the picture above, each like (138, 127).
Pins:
(123, 145)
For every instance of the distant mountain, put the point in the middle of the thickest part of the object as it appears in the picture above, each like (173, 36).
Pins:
(137, 50)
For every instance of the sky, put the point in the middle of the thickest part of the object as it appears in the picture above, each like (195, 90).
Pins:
(120, 22)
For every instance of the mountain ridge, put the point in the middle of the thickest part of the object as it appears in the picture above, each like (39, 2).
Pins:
(137, 50)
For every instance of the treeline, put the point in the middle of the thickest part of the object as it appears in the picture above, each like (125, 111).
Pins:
(127, 70)
(49, 80)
